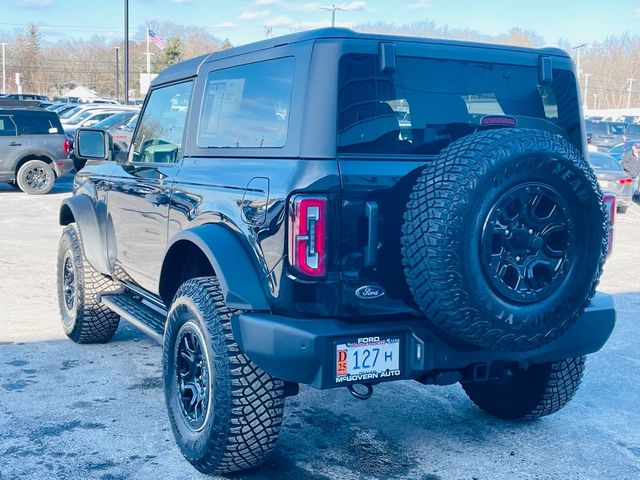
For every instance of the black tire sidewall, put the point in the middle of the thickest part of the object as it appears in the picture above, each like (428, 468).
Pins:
(21, 181)
(193, 444)
(69, 243)
(530, 318)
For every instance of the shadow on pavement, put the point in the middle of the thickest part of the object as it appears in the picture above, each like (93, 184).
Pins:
(63, 184)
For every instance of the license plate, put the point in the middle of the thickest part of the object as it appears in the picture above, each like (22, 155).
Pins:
(367, 359)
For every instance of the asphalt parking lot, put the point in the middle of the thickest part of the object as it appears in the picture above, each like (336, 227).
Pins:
(72, 411)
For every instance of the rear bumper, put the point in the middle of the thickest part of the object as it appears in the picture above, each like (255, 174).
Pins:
(63, 166)
(304, 350)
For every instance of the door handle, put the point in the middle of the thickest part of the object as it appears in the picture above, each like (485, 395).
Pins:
(15, 144)
(157, 198)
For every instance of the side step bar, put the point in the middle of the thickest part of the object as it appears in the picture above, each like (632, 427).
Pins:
(136, 312)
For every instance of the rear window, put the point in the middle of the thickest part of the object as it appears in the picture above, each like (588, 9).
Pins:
(7, 126)
(37, 123)
(596, 127)
(601, 161)
(428, 103)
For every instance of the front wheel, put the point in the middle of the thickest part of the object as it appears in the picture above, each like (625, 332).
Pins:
(530, 393)
(35, 177)
(224, 410)
(84, 319)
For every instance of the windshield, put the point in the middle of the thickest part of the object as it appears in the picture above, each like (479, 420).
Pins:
(425, 103)
(114, 120)
(602, 161)
(81, 117)
(70, 113)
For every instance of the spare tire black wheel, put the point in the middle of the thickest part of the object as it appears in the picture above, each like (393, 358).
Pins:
(504, 239)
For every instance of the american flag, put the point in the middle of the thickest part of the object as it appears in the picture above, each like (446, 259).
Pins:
(156, 39)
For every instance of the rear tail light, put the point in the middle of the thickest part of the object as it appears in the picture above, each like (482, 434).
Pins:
(66, 146)
(625, 181)
(609, 200)
(308, 234)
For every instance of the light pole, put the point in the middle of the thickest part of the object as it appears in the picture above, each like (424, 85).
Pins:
(4, 72)
(126, 52)
(577, 48)
(118, 74)
(630, 80)
(333, 9)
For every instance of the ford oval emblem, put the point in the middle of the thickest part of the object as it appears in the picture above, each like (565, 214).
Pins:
(369, 292)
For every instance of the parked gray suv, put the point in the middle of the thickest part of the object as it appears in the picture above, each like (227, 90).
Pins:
(33, 149)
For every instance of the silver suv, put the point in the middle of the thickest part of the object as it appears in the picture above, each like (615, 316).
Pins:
(33, 149)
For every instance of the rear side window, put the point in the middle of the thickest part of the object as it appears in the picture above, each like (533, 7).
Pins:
(38, 123)
(7, 126)
(247, 106)
(428, 103)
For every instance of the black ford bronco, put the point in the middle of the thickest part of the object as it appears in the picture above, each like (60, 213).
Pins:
(339, 209)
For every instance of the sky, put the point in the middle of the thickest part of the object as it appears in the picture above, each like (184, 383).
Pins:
(243, 21)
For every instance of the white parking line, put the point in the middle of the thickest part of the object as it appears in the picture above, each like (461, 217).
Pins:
(634, 209)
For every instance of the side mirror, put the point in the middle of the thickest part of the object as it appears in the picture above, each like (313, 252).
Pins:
(93, 144)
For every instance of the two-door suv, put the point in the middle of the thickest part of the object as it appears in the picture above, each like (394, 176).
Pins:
(339, 209)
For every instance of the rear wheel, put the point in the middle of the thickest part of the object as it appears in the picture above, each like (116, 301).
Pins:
(530, 393)
(35, 177)
(224, 410)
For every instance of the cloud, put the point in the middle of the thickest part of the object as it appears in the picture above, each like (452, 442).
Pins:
(417, 5)
(180, 2)
(225, 25)
(315, 6)
(33, 3)
(287, 22)
(252, 15)
(268, 2)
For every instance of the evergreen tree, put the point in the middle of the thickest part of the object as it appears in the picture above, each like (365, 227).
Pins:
(172, 54)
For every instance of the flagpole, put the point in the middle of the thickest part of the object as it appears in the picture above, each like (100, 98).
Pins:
(148, 54)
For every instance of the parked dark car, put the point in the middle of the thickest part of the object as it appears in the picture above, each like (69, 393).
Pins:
(271, 226)
(632, 132)
(612, 178)
(33, 149)
(605, 135)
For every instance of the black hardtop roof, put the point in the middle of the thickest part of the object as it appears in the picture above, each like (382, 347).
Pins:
(189, 68)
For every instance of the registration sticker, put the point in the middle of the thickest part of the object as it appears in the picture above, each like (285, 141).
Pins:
(369, 358)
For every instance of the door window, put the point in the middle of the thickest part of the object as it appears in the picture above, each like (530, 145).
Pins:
(158, 138)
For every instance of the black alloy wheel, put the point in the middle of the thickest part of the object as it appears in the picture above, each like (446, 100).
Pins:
(526, 242)
(193, 376)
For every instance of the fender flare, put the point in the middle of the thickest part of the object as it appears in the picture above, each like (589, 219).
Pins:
(80, 209)
(239, 279)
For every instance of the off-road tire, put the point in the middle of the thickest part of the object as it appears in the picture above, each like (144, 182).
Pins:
(27, 185)
(87, 321)
(245, 404)
(450, 207)
(535, 392)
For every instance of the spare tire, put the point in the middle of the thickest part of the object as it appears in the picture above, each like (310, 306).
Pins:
(504, 239)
